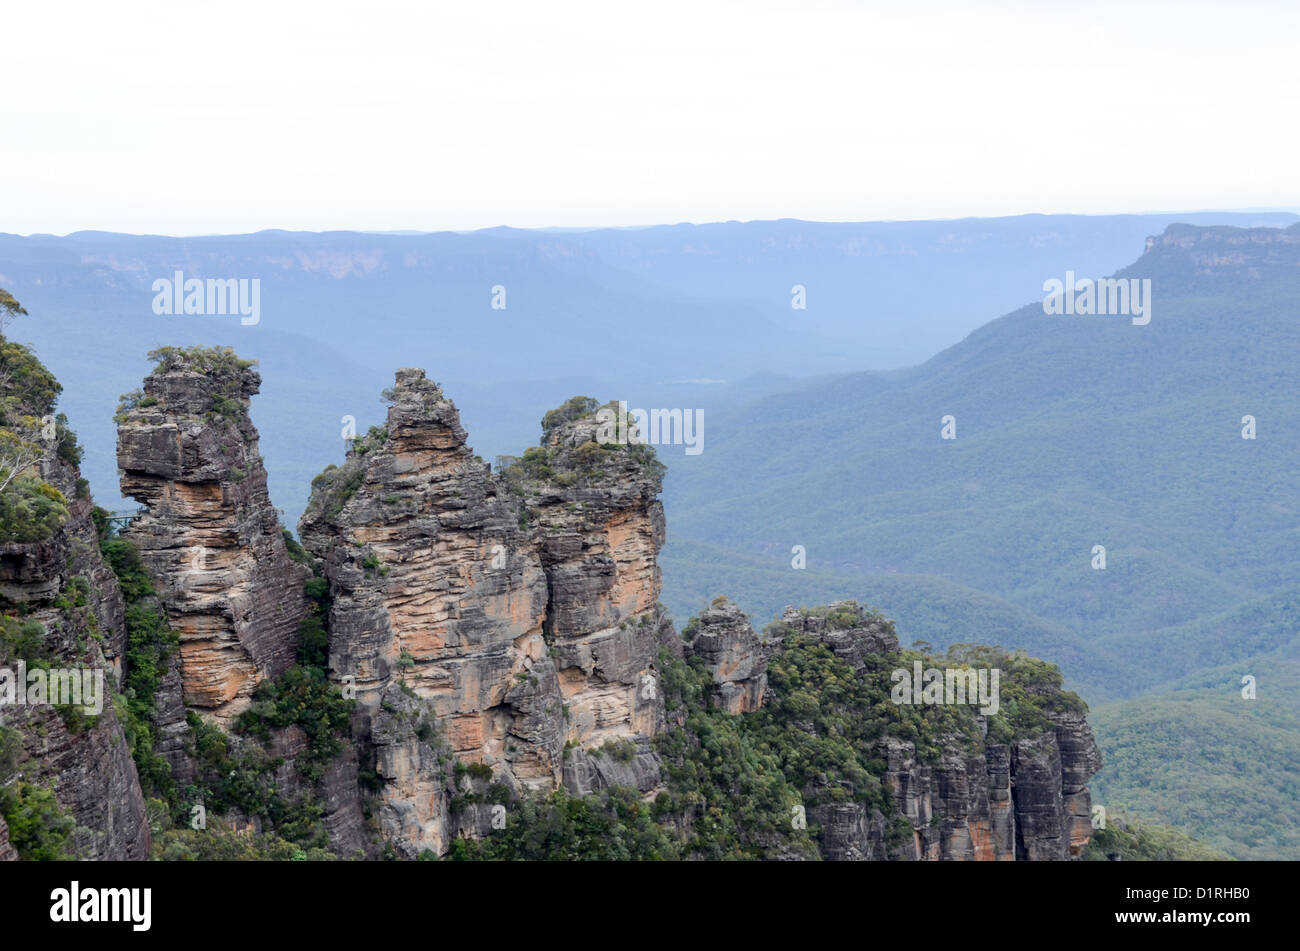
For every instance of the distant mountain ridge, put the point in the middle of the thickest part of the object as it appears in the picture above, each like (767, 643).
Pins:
(609, 310)
(1071, 432)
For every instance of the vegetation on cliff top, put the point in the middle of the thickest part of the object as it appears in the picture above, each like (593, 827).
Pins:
(232, 777)
(214, 362)
(734, 781)
(220, 367)
(31, 510)
(595, 461)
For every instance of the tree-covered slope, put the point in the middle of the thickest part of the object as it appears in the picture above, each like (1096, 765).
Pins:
(1071, 432)
(1207, 760)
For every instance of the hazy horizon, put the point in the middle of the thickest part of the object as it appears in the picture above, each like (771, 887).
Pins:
(580, 229)
(593, 116)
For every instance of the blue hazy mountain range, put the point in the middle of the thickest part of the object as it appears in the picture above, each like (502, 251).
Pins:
(612, 313)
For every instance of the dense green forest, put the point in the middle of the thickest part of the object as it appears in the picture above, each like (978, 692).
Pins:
(1205, 759)
(1071, 432)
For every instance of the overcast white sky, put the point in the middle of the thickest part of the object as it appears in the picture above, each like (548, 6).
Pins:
(182, 118)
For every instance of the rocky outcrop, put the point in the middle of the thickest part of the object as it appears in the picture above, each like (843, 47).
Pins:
(628, 762)
(517, 612)
(1080, 761)
(593, 506)
(503, 637)
(60, 587)
(210, 537)
(438, 588)
(1013, 803)
(7, 852)
(850, 832)
(846, 629)
(1025, 799)
(735, 656)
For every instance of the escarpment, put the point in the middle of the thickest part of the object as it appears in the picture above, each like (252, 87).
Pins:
(62, 611)
(210, 537)
(1015, 788)
(468, 652)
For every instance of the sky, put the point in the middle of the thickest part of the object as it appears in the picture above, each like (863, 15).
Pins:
(175, 118)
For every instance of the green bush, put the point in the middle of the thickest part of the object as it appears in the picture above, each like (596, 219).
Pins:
(31, 511)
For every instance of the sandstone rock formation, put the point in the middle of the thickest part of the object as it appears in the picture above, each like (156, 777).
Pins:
(436, 588)
(598, 523)
(734, 655)
(503, 636)
(61, 584)
(7, 852)
(189, 452)
(1022, 800)
(518, 613)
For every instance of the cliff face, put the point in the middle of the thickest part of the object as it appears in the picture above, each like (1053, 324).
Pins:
(211, 539)
(1017, 800)
(520, 613)
(59, 587)
(437, 589)
(503, 638)
(733, 654)
(598, 525)
(1024, 799)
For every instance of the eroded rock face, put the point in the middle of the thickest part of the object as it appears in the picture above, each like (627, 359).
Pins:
(1080, 761)
(436, 586)
(434, 581)
(63, 585)
(211, 538)
(593, 506)
(1010, 804)
(519, 613)
(7, 852)
(850, 832)
(734, 655)
(628, 762)
(1023, 800)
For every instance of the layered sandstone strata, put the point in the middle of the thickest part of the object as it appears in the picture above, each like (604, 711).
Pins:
(733, 654)
(210, 538)
(1026, 799)
(62, 585)
(595, 513)
(507, 616)
(439, 590)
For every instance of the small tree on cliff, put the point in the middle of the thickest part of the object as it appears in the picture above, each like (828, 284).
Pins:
(30, 509)
(9, 309)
